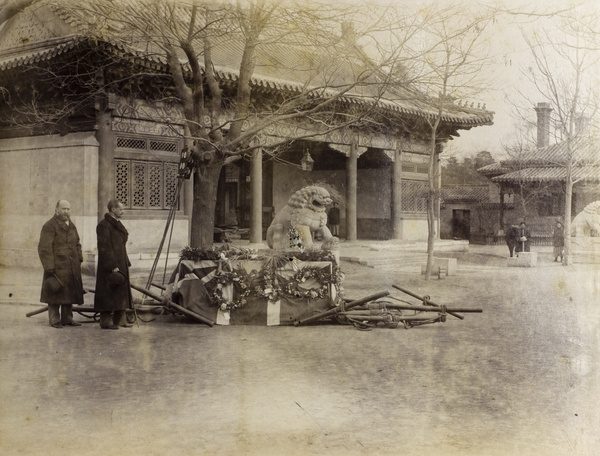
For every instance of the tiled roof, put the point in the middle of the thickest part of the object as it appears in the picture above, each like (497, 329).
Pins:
(550, 174)
(26, 55)
(479, 193)
(584, 149)
(494, 168)
(280, 66)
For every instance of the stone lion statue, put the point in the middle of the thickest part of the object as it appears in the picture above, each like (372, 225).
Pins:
(305, 213)
(587, 222)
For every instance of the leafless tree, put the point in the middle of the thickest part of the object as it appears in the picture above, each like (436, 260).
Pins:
(566, 57)
(227, 114)
(448, 61)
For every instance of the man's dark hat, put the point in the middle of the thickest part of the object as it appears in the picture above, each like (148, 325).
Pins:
(52, 285)
(117, 279)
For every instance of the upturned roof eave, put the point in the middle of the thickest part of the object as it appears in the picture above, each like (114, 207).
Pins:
(51, 48)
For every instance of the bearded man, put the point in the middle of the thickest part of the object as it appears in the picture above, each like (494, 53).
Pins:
(59, 250)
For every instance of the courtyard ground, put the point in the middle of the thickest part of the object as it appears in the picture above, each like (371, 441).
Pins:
(521, 378)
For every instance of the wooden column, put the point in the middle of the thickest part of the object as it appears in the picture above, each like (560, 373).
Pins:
(438, 188)
(397, 194)
(351, 184)
(106, 172)
(256, 189)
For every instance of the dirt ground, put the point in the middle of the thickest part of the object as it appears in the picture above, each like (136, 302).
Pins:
(521, 378)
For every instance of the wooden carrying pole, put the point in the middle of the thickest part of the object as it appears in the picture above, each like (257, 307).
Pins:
(427, 301)
(37, 311)
(339, 309)
(171, 304)
(393, 305)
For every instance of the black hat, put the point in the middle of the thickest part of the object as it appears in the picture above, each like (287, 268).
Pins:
(52, 285)
(117, 279)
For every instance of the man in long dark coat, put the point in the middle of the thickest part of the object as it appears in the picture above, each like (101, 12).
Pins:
(512, 235)
(113, 294)
(59, 250)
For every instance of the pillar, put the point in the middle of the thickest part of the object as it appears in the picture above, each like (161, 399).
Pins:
(397, 194)
(256, 198)
(106, 181)
(351, 184)
(438, 187)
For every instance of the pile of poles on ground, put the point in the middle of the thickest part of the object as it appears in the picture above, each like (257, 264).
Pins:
(373, 311)
(379, 310)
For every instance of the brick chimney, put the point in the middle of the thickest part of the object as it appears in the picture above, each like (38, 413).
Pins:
(582, 125)
(543, 111)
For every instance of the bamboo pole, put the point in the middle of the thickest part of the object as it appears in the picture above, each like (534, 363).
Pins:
(37, 311)
(431, 303)
(393, 305)
(336, 310)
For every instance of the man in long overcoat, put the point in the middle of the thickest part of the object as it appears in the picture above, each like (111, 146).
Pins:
(113, 294)
(512, 235)
(59, 250)
(558, 241)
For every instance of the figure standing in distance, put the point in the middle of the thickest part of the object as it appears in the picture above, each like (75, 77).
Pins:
(512, 234)
(333, 219)
(558, 241)
(59, 250)
(113, 294)
(523, 239)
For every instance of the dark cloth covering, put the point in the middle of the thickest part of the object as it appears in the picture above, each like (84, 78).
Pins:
(112, 253)
(59, 250)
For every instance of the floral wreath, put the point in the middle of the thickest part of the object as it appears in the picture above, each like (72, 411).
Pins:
(272, 286)
(241, 290)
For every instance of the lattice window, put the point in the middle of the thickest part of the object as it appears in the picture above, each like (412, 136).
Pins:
(131, 143)
(163, 146)
(408, 167)
(147, 184)
(139, 185)
(122, 182)
(143, 180)
(414, 196)
(155, 184)
(423, 169)
(171, 173)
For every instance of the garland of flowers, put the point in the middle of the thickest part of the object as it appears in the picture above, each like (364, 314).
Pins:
(273, 285)
(225, 252)
(295, 239)
(270, 284)
(240, 280)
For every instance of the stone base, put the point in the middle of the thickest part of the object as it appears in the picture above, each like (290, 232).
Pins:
(449, 265)
(524, 260)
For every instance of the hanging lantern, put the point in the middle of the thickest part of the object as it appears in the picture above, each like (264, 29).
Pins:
(307, 162)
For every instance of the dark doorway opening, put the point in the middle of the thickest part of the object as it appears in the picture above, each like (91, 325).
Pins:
(461, 224)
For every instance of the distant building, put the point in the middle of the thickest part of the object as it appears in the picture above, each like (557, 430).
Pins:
(534, 181)
(471, 212)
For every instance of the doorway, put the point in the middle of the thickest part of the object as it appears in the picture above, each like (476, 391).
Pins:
(461, 224)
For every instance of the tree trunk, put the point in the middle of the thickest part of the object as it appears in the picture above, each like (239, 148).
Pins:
(206, 181)
(567, 255)
(432, 197)
(430, 216)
